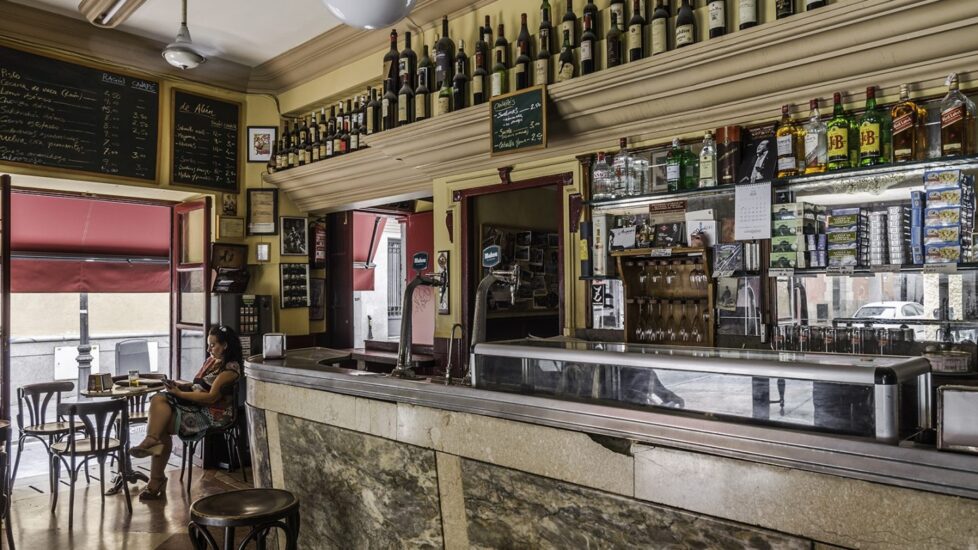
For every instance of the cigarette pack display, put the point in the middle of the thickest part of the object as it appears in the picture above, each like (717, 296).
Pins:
(942, 234)
(842, 258)
(729, 257)
(942, 253)
(946, 215)
(941, 178)
(845, 246)
(845, 237)
(792, 211)
(795, 243)
(785, 228)
(783, 260)
(951, 196)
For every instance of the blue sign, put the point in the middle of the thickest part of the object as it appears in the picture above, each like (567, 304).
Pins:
(492, 256)
(420, 261)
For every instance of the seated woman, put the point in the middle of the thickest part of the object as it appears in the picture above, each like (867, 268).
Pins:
(191, 409)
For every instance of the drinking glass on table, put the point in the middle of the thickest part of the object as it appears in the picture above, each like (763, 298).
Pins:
(133, 377)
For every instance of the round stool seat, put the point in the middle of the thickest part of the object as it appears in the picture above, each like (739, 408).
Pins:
(247, 507)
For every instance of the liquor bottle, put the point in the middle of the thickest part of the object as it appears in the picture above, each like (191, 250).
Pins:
(338, 146)
(620, 165)
(541, 66)
(871, 132)
(280, 148)
(330, 131)
(685, 26)
(294, 147)
(355, 136)
(482, 56)
(812, 4)
(322, 133)
(746, 14)
(691, 170)
(303, 150)
(718, 17)
(348, 115)
(592, 10)
(405, 103)
(569, 24)
(565, 65)
(374, 116)
(345, 138)
(617, 8)
(444, 55)
(331, 123)
(479, 75)
(602, 178)
(523, 38)
(708, 162)
(957, 121)
(314, 141)
(837, 130)
(660, 29)
(546, 29)
(500, 76)
(422, 100)
(588, 43)
(523, 67)
(460, 84)
(501, 45)
(636, 33)
(790, 147)
(784, 8)
(674, 166)
(613, 44)
(816, 141)
(909, 132)
(408, 61)
(388, 108)
(392, 58)
(443, 103)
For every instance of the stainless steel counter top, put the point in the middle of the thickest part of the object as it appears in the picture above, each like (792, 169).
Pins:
(917, 467)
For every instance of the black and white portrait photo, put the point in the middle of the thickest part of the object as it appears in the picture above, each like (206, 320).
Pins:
(295, 237)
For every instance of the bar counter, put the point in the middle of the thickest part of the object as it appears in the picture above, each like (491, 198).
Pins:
(386, 462)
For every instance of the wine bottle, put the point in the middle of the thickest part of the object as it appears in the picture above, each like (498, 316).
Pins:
(718, 17)
(546, 29)
(523, 67)
(408, 61)
(592, 10)
(957, 121)
(500, 76)
(443, 104)
(331, 123)
(501, 45)
(304, 143)
(541, 66)
(613, 43)
(837, 130)
(569, 24)
(565, 67)
(523, 39)
(747, 14)
(816, 141)
(314, 139)
(479, 75)
(392, 58)
(323, 132)
(790, 151)
(812, 4)
(460, 84)
(374, 116)
(482, 56)
(685, 26)
(444, 55)
(422, 99)
(871, 132)
(281, 155)
(708, 162)
(909, 130)
(784, 8)
(660, 29)
(636, 33)
(588, 42)
(388, 107)
(294, 148)
(617, 8)
(345, 138)
(330, 132)
(338, 145)
(405, 102)
(355, 135)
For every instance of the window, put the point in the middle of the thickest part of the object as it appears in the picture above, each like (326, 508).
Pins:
(395, 278)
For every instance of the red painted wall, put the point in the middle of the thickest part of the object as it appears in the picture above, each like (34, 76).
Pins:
(420, 231)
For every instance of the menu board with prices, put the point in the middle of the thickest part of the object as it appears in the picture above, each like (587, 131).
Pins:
(519, 121)
(206, 138)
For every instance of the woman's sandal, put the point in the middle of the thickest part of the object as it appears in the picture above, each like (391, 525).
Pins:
(146, 448)
(153, 494)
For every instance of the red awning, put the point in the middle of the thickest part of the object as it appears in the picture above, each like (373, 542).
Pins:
(363, 229)
(73, 228)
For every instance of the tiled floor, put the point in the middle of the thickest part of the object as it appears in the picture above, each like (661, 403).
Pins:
(154, 525)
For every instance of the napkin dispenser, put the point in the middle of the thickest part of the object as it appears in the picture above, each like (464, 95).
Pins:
(273, 345)
(957, 418)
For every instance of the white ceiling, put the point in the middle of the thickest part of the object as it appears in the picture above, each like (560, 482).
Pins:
(246, 31)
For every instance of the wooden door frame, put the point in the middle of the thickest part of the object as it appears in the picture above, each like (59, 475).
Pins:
(176, 268)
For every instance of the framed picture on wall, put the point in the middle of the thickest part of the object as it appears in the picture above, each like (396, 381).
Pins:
(441, 266)
(317, 245)
(261, 139)
(262, 212)
(229, 204)
(294, 285)
(294, 236)
(317, 299)
(230, 227)
(263, 252)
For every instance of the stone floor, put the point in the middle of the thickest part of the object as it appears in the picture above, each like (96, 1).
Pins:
(154, 525)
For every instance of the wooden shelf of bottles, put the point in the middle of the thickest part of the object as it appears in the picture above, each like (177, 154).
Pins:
(668, 296)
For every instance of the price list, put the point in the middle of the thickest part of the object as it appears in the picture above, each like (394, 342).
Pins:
(205, 142)
(519, 121)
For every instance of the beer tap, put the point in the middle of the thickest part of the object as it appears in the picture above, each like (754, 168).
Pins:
(405, 364)
(491, 257)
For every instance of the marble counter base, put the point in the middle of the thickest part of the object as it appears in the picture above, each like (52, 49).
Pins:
(261, 467)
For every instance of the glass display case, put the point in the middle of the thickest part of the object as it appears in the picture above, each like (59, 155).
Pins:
(881, 397)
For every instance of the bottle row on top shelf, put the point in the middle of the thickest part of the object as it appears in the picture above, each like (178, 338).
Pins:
(792, 148)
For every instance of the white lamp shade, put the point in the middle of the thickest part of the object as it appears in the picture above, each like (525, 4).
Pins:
(181, 52)
(370, 14)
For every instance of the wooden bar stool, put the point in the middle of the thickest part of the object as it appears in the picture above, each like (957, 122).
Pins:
(262, 510)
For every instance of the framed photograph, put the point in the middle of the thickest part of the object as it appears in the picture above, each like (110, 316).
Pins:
(263, 252)
(294, 236)
(317, 246)
(441, 266)
(230, 227)
(657, 167)
(229, 204)
(294, 285)
(262, 212)
(261, 139)
(317, 299)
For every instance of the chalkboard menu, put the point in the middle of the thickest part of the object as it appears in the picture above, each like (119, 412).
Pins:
(519, 121)
(72, 117)
(205, 141)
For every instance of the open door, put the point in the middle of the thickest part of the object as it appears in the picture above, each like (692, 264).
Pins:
(5, 300)
(190, 280)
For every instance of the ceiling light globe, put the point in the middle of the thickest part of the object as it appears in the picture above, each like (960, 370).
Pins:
(370, 14)
(181, 52)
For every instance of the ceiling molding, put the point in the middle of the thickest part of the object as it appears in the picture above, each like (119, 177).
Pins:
(344, 45)
(45, 30)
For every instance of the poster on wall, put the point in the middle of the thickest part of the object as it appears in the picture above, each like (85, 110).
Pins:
(293, 236)
(441, 266)
(317, 246)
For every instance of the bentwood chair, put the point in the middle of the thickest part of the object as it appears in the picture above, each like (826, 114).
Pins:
(5, 484)
(232, 434)
(261, 511)
(98, 418)
(35, 399)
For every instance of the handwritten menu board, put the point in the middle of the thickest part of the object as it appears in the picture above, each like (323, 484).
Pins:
(519, 121)
(72, 117)
(205, 141)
